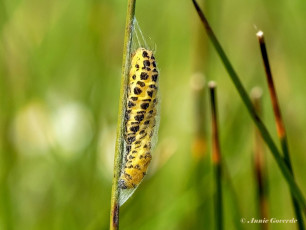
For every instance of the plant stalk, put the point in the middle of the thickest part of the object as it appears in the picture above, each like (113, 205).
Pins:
(248, 103)
(216, 157)
(259, 163)
(281, 131)
(114, 212)
(199, 142)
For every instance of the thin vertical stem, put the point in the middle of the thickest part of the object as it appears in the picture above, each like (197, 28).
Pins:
(259, 163)
(114, 215)
(199, 142)
(199, 146)
(216, 156)
(247, 101)
(281, 132)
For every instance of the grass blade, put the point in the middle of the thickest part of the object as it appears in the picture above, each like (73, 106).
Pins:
(216, 156)
(247, 101)
(281, 131)
(114, 212)
(199, 142)
(259, 163)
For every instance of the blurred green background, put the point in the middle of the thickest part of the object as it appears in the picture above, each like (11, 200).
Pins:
(60, 67)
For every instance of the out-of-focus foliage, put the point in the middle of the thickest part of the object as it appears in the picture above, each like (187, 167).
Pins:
(60, 65)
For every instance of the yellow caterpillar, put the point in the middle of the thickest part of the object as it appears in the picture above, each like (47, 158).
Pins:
(139, 117)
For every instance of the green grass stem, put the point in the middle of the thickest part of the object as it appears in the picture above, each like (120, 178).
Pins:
(281, 131)
(248, 103)
(259, 162)
(201, 165)
(216, 157)
(114, 212)
(198, 90)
